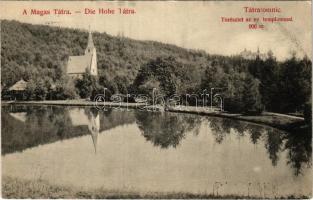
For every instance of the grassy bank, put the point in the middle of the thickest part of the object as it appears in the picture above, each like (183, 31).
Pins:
(276, 120)
(15, 188)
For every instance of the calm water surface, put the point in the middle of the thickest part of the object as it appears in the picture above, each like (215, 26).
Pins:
(152, 152)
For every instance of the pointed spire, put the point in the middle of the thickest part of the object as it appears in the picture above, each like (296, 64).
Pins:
(90, 41)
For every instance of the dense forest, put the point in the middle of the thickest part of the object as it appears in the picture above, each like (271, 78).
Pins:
(38, 54)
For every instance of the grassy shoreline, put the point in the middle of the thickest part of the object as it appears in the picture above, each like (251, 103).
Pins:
(276, 120)
(17, 188)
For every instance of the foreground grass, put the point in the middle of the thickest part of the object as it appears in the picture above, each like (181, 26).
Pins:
(19, 189)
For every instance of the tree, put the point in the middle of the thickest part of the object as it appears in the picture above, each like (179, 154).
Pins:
(110, 85)
(65, 89)
(233, 99)
(214, 76)
(163, 72)
(30, 90)
(40, 90)
(121, 83)
(256, 66)
(251, 96)
(148, 86)
(295, 84)
(269, 87)
(85, 85)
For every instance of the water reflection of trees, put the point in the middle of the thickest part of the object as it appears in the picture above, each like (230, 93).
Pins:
(273, 144)
(299, 147)
(166, 129)
(296, 143)
(46, 124)
(219, 128)
(28, 126)
(42, 125)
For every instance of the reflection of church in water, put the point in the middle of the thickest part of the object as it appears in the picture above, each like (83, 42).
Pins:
(81, 117)
(90, 120)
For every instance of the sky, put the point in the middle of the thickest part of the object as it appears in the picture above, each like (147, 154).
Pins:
(193, 25)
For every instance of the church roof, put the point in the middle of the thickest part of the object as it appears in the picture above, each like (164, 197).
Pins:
(78, 64)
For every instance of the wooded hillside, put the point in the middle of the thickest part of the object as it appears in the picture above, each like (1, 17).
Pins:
(29, 51)
(39, 54)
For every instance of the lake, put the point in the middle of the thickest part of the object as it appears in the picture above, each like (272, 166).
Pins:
(141, 151)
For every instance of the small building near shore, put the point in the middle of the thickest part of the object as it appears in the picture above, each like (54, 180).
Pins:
(17, 91)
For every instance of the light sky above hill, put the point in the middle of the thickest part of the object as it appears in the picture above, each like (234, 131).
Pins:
(194, 25)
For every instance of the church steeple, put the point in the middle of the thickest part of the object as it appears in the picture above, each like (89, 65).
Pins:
(90, 45)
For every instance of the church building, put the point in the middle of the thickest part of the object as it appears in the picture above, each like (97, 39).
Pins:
(78, 65)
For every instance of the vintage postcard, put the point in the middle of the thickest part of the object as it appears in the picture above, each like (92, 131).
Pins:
(156, 99)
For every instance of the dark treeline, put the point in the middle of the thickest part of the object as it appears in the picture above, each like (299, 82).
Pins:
(38, 54)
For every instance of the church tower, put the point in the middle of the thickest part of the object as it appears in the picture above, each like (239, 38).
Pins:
(92, 52)
(78, 65)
